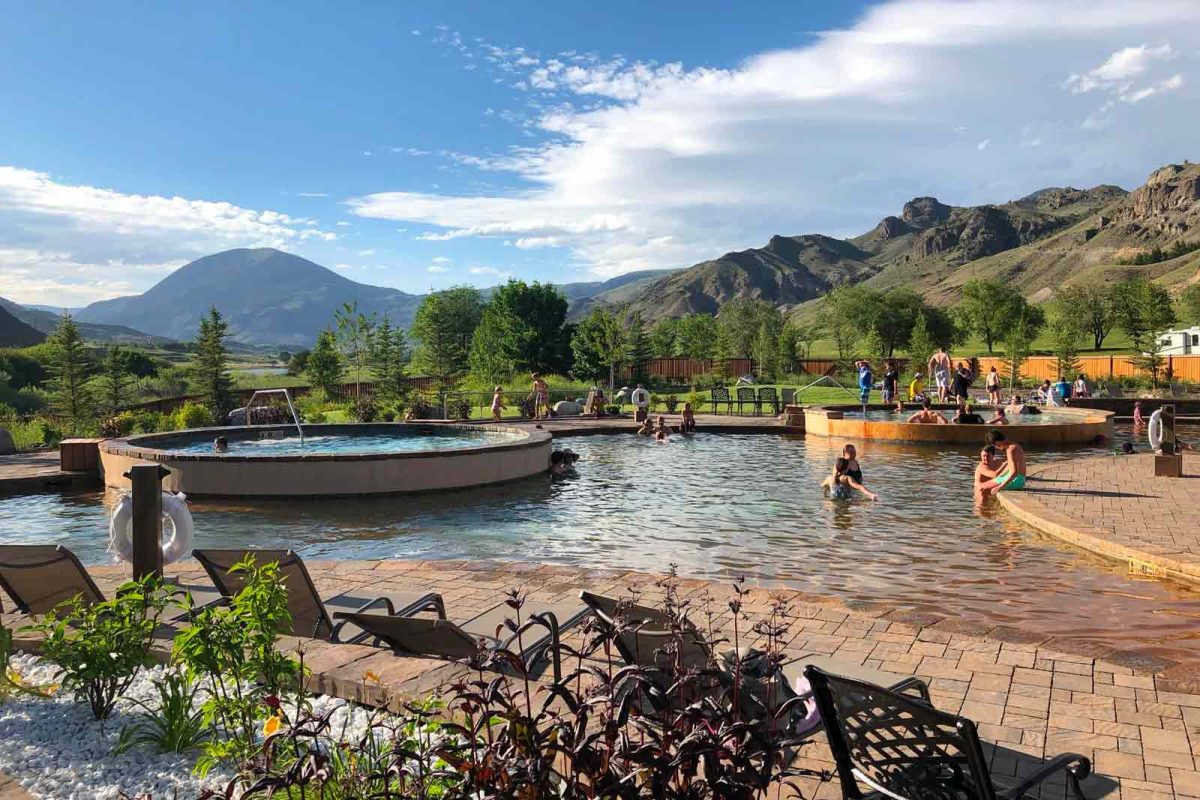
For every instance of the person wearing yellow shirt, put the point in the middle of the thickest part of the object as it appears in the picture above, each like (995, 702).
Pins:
(916, 388)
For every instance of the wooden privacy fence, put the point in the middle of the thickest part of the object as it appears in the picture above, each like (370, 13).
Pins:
(341, 391)
(1180, 368)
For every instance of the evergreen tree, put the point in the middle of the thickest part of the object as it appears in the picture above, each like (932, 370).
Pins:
(1189, 302)
(1018, 341)
(443, 327)
(921, 343)
(388, 357)
(324, 364)
(211, 367)
(70, 365)
(637, 345)
(115, 379)
(1067, 328)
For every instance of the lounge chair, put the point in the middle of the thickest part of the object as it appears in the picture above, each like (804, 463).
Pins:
(311, 616)
(767, 396)
(444, 639)
(40, 577)
(647, 631)
(721, 395)
(901, 746)
(746, 394)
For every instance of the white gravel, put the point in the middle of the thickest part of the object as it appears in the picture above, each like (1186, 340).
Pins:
(55, 749)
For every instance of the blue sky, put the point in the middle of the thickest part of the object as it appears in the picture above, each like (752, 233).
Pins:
(425, 145)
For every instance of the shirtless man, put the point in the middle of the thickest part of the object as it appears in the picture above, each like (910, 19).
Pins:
(927, 416)
(987, 468)
(940, 366)
(1012, 475)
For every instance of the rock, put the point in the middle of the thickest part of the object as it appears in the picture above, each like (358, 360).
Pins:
(891, 227)
(567, 408)
(924, 212)
(7, 445)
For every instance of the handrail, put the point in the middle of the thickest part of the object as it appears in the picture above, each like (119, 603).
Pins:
(286, 396)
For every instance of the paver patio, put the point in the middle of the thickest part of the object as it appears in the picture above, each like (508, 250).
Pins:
(1114, 506)
(1031, 697)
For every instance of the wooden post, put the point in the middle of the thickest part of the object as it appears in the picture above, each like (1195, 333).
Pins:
(146, 482)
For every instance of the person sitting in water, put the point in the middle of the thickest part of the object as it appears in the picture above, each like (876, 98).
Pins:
(927, 416)
(662, 436)
(1015, 404)
(850, 453)
(967, 416)
(687, 423)
(1000, 418)
(558, 464)
(988, 466)
(220, 445)
(1012, 475)
(899, 409)
(646, 428)
(840, 483)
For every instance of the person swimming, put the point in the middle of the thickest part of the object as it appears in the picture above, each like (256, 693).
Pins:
(1000, 417)
(927, 416)
(221, 445)
(840, 484)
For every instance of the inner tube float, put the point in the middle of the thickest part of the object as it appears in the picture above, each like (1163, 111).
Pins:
(640, 397)
(1154, 429)
(174, 547)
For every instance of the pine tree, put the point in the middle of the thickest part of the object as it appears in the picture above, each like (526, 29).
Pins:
(921, 344)
(115, 378)
(637, 345)
(324, 365)
(211, 368)
(70, 367)
(388, 357)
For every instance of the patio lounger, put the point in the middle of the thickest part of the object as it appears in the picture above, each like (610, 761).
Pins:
(311, 616)
(746, 394)
(898, 745)
(721, 395)
(444, 639)
(648, 630)
(40, 577)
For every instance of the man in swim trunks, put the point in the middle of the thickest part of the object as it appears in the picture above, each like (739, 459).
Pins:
(865, 381)
(939, 367)
(891, 377)
(1012, 474)
(927, 416)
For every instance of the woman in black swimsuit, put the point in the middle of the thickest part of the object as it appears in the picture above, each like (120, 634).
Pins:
(850, 453)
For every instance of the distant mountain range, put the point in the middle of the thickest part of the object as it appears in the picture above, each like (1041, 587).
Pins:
(1050, 238)
(44, 319)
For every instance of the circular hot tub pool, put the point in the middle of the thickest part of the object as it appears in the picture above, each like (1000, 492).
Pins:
(331, 459)
(1051, 426)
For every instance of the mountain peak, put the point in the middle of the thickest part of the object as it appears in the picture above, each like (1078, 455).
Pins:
(925, 212)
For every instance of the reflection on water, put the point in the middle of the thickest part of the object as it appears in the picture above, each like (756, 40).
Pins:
(716, 506)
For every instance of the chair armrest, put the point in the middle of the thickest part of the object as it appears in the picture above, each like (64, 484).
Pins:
(430, 602)
(904, 687)
(1076, 766)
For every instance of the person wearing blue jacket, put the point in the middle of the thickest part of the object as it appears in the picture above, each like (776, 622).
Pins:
(865, 380)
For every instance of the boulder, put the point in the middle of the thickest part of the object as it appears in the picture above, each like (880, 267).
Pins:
(566, 408)
(7, 445)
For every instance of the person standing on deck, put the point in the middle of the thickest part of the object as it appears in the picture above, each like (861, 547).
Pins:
(940, 367)
(865, 380)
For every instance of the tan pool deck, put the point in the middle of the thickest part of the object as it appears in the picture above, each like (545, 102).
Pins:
(1114, 506)
(1032, 697)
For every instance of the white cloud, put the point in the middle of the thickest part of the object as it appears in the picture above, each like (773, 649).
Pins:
(312, 194)
(440, 260)
(983, 145)
(61, 241)
(639, 165)
(367, 252)
(344, 224)
(492, 271)
(436, 268)
(343, 267)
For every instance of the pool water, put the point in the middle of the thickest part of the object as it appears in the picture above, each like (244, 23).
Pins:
(401, 441)
(717, 505)
(1046, 417)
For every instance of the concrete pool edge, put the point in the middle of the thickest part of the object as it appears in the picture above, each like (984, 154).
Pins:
(1028, 508)
(827, 421)
(329, 474)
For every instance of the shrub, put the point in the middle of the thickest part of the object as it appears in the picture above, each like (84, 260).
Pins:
(100, 648)
(364, 409)
(118, 424)
(192, 415)
(419, 408)
(612, 409)
(174, 725)
(316, 418)
(697, 400)
(672, 403)
(150, 422)
(680, 731)
(458, 407)
(388, 415)
(230, 652)
(526, 406)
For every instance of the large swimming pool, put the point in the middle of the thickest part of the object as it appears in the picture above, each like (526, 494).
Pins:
(715, 505)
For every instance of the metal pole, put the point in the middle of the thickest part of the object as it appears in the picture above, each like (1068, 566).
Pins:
(146, 482)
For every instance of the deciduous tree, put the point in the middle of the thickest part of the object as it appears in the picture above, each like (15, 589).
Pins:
(990, 309)
(600, 346)
(443, 327)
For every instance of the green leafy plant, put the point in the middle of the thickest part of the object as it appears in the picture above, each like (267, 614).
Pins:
(101, 648)
(364, 409)
(192, 415)
(174, 725)
(697, 400)
(458, 407)
(672, 403)
(229, 651)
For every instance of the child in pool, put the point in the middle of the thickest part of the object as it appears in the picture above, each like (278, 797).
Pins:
(839, 484)
(688, 422)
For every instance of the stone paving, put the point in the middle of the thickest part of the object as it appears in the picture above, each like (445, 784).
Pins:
(1031, 697)
(1113, 505)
